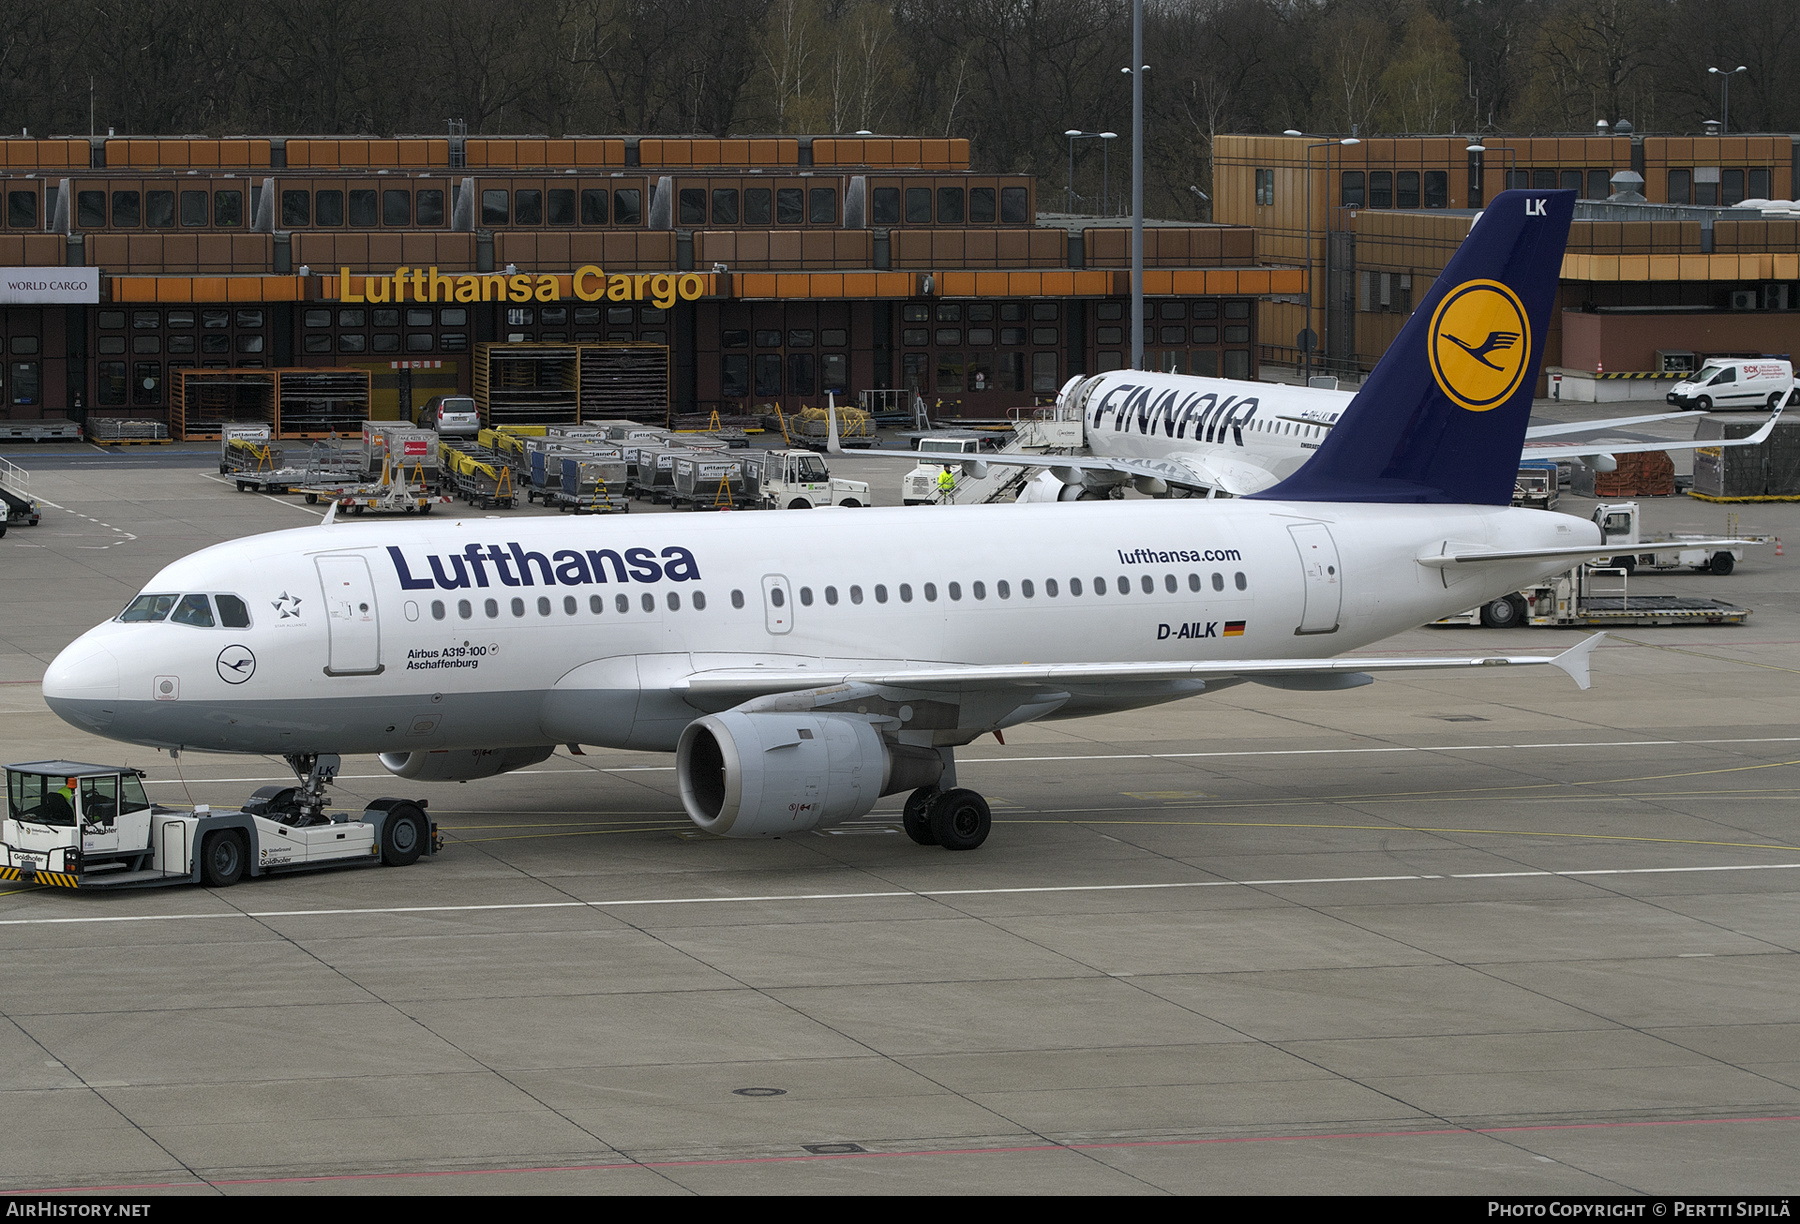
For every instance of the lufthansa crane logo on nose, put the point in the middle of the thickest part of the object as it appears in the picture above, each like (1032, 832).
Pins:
(1480, 344)
(236, 664)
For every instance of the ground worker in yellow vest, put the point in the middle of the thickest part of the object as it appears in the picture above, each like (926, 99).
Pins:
(946, 486)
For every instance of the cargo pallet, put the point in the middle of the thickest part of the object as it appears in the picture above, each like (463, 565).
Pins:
(41, 431)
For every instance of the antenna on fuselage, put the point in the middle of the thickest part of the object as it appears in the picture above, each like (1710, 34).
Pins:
(832, 445)
(330, 514)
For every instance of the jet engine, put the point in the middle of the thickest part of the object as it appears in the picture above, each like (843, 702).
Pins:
(766, 774)
(462, 764)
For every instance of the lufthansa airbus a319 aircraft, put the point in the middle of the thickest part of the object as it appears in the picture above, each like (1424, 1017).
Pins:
(801, 666)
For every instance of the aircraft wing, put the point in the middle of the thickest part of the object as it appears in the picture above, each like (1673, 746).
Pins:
(1198, 471)
(1569, 427)
(747, 682)
(1596, 446)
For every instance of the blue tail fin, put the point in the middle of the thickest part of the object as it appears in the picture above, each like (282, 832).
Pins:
(1443, 416)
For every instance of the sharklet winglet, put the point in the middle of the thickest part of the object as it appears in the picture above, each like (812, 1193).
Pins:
(1574, 660)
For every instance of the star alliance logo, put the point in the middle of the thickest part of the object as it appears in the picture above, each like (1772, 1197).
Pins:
(287, 605)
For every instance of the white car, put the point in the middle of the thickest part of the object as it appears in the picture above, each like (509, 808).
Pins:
(1762, 382)
(453, 416)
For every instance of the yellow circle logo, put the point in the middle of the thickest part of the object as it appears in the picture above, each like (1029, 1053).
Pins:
(1480, 344)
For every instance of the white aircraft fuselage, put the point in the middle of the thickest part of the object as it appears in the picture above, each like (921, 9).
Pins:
(483, 633)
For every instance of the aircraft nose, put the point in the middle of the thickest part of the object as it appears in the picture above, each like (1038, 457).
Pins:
(82, 672)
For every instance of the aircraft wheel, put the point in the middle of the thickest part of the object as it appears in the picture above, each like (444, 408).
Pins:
(916, 818)
(402, 836)
(960, 819)
(1500, 613)
(1723, 563)
(223, 858)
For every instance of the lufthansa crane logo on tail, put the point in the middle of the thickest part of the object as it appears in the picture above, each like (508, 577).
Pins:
(1480, 344)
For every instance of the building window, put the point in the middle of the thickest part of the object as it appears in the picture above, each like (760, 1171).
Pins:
(21, 209)
(1406, 189)
(1437, 189)
(1265, 186)
(330, 206)
(1353, 189)
(396, 207)
(693, 206)
(790, 206)
(296, 208)
(757, 207)
(494, 207)
(90, 209)
(1381, 189)
(1014, 206)
(593, 206)
(1680, 186)
(724, 206)
(950, 205)
(1599, 184)
(918, 206)
(362, 209)
(1731, 186)
(823, 206)
(981, 205)
(628, 206)
(431, 206)
(884, 208)
(124, 208)
(528, 207)
(193, 209)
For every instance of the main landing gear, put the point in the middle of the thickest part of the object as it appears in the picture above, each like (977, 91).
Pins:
(955, 819)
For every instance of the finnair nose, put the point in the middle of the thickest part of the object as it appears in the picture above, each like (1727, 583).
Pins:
(82, 672)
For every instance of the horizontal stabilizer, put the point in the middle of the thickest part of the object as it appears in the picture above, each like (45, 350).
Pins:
(1577, 552)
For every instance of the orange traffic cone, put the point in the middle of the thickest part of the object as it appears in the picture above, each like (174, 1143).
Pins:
(1778, 546)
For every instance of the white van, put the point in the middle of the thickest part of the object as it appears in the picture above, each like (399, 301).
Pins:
(1762, 382)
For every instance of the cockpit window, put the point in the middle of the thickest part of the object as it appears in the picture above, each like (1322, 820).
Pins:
(149, 608)
(193, 610)
(232, 612)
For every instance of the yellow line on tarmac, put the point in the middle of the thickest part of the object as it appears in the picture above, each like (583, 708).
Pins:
(1699, 654)
(581, 833)
(1385, 828)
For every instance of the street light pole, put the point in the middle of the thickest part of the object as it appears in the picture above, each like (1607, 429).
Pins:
(1075, 134)
(1306, 162)
(1138, 66)
(1725, 94)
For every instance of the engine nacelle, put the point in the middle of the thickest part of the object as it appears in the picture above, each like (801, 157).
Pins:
(462, 764)
(766, 774)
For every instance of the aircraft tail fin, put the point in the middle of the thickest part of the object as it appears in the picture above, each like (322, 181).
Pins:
(1443, 415)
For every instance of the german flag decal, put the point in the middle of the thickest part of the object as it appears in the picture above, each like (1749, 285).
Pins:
(1234, 628)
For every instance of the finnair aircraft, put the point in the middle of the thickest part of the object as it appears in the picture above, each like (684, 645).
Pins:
(801, 666)
(1218, 435)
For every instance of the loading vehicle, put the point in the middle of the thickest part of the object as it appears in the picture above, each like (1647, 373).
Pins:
(799, 480)
(69, 824)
